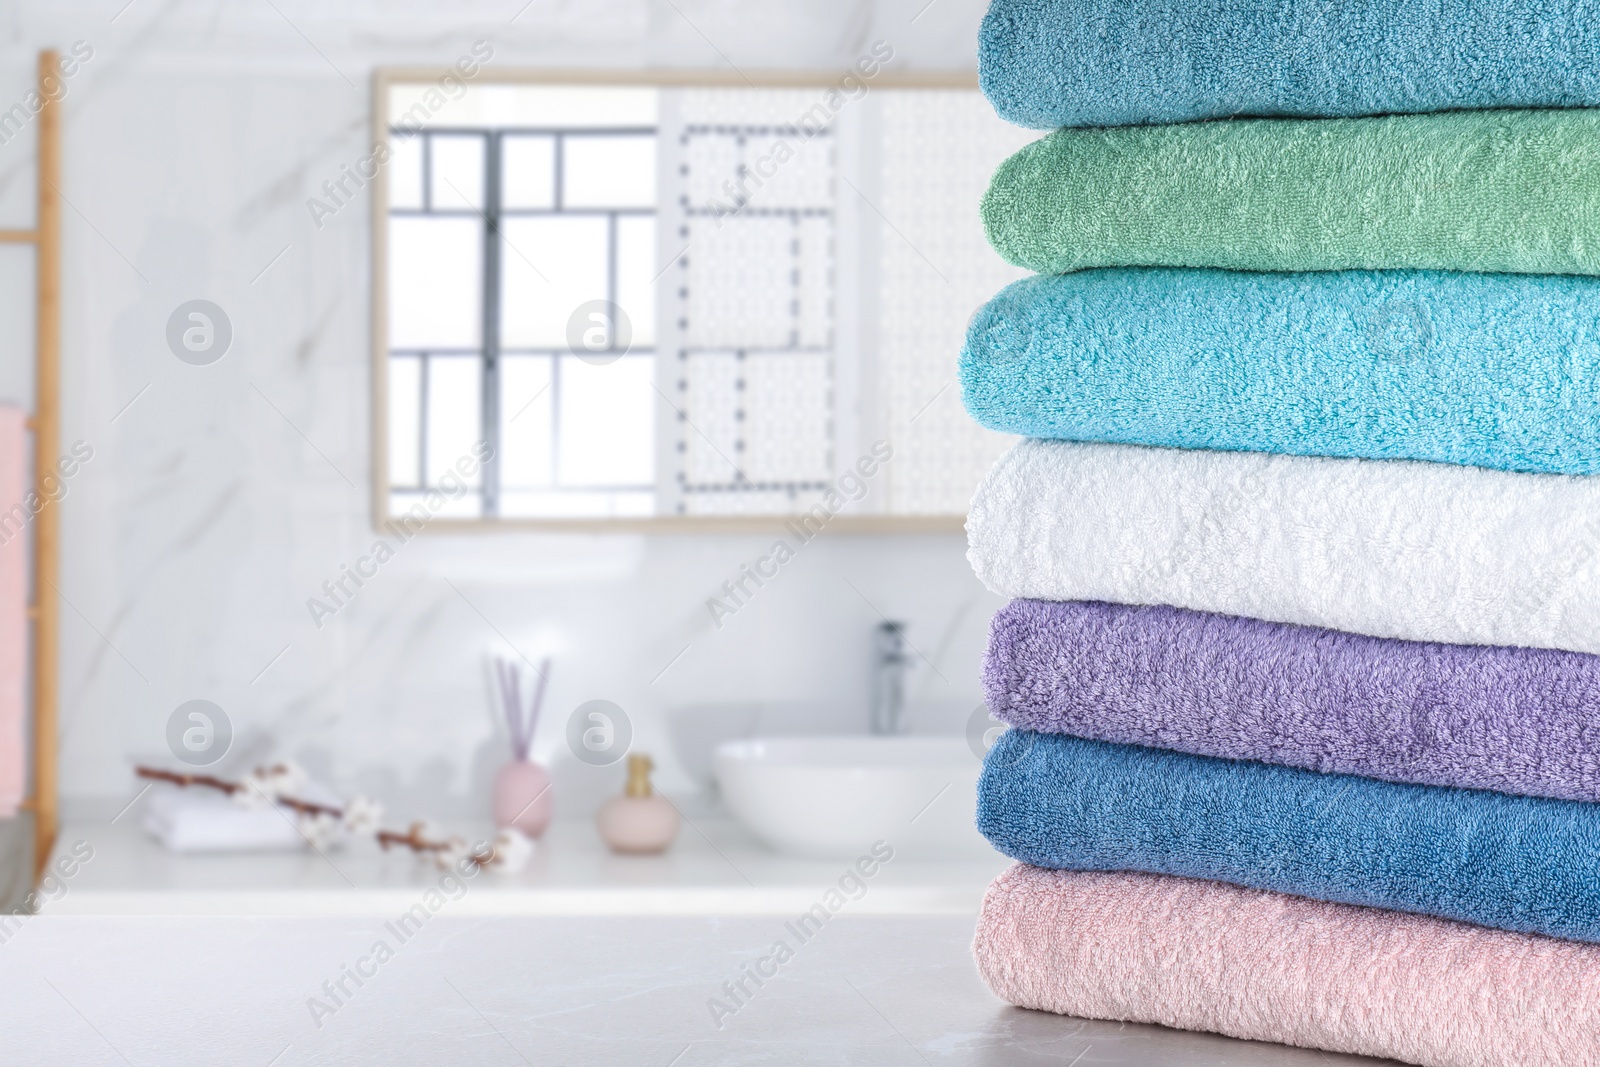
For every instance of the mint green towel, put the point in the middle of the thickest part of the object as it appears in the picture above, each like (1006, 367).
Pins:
(1513, 191)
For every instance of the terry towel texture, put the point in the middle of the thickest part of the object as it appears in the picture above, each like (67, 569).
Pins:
(1514, 863)
(1420, 551)
(1497, 371)
(1048, 63)
(1514, 191)
(1515, 720)
(1207, 956)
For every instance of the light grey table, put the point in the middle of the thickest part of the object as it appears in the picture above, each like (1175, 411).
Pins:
(612, 991)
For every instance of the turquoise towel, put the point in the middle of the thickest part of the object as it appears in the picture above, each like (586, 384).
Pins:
(1499, 371)
(1046, 63)
(1516, 863)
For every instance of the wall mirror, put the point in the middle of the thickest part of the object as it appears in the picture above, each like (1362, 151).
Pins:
(685, 300)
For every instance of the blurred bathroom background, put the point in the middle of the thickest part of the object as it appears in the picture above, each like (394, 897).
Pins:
(200, 138)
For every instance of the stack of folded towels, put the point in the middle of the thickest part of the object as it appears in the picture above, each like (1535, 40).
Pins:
(1303, 669)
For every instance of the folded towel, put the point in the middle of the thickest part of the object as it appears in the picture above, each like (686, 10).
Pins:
(1207, 956)
(1514, 863)
(1047, 63)
(1491, 370)
(1473, 190)
(194, 820)
(1421, 551)
(1515, 720)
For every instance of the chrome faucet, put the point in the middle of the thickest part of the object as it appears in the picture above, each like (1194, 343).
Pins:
(889, 663)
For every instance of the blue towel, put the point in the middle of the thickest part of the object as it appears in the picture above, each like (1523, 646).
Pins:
(1499, 371)
(1517, 863)
(1047, 63)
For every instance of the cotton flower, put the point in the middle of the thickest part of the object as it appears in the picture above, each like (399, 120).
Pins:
(287, 777)
(265, 785)
(322, 830)
(362, 815)
(512, 851)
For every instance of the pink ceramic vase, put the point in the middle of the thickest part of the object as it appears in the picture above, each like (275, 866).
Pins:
(522, 797)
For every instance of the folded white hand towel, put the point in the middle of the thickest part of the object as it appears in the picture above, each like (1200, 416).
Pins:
(1422, 551)
(199, 820)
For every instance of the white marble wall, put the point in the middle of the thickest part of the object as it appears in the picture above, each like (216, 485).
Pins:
(225, 495)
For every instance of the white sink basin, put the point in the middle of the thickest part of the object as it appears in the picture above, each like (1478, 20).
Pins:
(832, 797)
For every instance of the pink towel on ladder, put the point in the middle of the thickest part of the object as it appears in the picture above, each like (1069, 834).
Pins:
(15, 517)
(1201, 955)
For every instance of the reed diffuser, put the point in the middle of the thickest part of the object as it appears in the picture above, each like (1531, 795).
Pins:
(521, 792)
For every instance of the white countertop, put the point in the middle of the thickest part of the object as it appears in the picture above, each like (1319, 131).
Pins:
(614, 991)
(714, 868)
(145, 956)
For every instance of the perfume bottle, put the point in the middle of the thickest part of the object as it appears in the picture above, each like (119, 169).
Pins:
(639, 821)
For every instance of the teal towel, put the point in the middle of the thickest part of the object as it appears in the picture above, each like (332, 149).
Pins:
(1517, 863)
(1048, 63)
(1499, 371)
(1514, 191)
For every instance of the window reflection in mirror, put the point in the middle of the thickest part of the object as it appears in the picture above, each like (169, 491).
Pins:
(649, 301)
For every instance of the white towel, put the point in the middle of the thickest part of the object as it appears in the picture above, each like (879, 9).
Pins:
(1423, 551)
(199, 820)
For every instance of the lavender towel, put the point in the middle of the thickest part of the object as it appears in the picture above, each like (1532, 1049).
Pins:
(1516, 720)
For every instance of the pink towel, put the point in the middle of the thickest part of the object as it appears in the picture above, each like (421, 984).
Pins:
(15, 515)
(1208, 956)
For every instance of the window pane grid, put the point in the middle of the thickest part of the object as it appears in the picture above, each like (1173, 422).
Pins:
(528, 295)
(416, 411)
